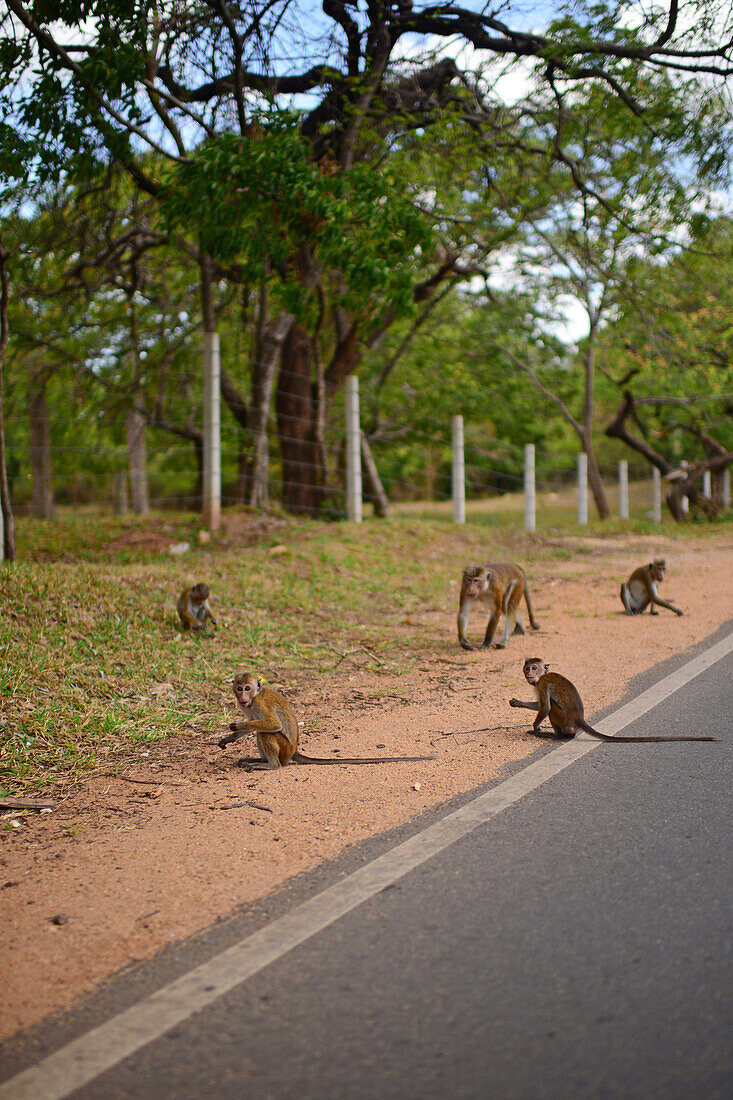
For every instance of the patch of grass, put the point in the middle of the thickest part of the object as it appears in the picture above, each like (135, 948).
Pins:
(93, 666)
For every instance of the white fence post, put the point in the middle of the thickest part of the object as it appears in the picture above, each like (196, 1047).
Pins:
(459, 472)
(657, 495)
(623, 489)
(582, 488)
(529, 488)
(707, 484)
(212, 433)
(353, 450)
(725, 494)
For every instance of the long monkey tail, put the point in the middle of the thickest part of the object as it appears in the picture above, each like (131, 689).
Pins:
(530, 610)
(299, 758)
(608, 737)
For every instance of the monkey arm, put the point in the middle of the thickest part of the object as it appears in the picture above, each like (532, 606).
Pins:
(543, 710)
(664, 603)
(190, 620)
(240, 727)
(528, 706)
(462, 626)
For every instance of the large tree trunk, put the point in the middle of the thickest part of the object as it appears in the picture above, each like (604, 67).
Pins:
(374, 488)
(253, 483)
(594, 474)
(8, 523)
(302, 473)
(42, 505)
(137, 460)
(618, 430)
(212, 382)
(595, 482)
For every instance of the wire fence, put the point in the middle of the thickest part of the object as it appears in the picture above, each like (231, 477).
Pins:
(87, 459)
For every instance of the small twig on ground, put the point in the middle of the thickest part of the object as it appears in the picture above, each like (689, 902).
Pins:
(26, 804)
(151, 782)
(239, 805)
(482, 729)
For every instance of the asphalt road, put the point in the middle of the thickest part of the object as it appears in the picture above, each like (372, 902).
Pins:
(576, 945)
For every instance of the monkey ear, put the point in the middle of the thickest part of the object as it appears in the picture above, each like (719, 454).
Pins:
(259, 683)
(547, 668)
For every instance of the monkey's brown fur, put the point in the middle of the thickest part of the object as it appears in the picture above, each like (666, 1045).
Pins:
(640, 590)
(194, 609)
(559, 700)
(499, 586)
(274, 722)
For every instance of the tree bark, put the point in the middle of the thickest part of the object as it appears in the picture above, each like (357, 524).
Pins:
(594, 480)
(689, 488)
(253, 483)
(212, 383)
(120, 501)
(42, 505)
(374, 488)
(594, 474)
(302, 474)
(137, 461)
(8, 523)
(618, 430)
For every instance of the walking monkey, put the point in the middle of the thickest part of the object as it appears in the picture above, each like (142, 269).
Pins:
(500, 587)
(272, 718)
(559, 700)
(640, 590)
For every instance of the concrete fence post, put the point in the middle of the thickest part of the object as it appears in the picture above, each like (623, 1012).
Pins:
(623, 489)
(529, 488)
(353, 451)
(582, 488)
(656, 495)
(212, 433)
(459, 471)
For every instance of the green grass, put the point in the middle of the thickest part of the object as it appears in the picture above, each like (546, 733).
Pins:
(93, 668)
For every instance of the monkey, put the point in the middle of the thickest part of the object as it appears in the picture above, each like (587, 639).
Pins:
(559, 699)
(640, 590)
(194, 609)
(501, 587)
(274, 722)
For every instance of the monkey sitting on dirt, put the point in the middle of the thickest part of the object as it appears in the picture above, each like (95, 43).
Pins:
(272, 719)
(559, 700)
(194, 608)
(640, 590)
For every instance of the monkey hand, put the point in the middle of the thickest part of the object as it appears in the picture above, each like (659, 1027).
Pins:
(680, 612)
(514, 703)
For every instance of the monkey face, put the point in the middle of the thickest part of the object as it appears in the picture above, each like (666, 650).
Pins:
(200, 592)
(534, 667)
(474, 581)
(657, 569)
(246, 687)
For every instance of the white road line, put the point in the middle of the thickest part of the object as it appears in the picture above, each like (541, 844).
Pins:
(105, 1046)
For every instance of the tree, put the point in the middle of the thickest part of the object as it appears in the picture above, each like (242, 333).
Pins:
(674, 339)
(8, 525)
(150, 87)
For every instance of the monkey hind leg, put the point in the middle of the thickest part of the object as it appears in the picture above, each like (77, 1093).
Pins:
(519, 627)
